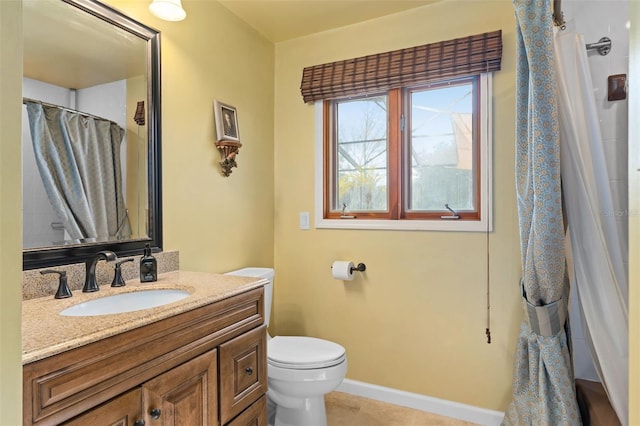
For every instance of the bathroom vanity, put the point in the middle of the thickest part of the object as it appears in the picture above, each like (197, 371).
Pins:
(198, 361)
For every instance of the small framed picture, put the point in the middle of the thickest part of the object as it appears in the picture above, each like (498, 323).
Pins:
(226, 118)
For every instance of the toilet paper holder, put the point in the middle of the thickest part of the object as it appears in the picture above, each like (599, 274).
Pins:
(360, 268)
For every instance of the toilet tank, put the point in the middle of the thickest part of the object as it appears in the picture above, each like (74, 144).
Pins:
(266, 273)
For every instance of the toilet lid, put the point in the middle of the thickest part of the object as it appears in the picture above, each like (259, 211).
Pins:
(297, 352)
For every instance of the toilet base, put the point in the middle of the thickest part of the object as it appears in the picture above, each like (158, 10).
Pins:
(311, 413)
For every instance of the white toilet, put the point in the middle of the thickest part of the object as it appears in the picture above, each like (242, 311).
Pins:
(300, 370)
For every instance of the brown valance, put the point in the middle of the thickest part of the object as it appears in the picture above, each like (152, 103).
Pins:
(430, 62)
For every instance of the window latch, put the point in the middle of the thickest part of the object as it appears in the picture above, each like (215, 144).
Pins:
(344, 210)
(452, 216)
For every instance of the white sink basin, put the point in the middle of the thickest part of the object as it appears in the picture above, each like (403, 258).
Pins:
(125, 302)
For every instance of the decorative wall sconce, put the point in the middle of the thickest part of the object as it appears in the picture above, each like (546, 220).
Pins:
(138, 117)
(226, 118)
(169, 10)
(228, 151)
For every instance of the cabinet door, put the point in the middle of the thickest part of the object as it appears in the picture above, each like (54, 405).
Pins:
(186, 395)
(243, 372)
(123, 410)
(255, 415)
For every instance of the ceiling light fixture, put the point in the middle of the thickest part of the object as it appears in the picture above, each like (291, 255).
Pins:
(169, 10)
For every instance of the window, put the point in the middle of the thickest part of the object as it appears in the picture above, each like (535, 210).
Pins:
(357, 141)
(403, 138)
(405, 154)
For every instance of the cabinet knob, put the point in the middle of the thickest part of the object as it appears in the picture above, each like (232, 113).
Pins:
(249, 371)
(139, 422)
(155, 413)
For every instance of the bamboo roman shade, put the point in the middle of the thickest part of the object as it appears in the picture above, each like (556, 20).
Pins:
(430, 62)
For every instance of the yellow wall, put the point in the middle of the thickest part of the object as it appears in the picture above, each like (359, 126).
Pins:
(216, 223)
(415, 320)
(10, 213)
(136, 160)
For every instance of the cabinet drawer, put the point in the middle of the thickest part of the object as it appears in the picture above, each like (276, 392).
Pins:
(243, 372)
(255, 415)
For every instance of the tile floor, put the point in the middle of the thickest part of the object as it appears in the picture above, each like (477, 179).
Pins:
(350, 410)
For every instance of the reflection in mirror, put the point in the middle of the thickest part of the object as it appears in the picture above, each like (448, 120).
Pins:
(90, 132)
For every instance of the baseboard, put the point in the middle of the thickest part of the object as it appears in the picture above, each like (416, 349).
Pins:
(441, 407)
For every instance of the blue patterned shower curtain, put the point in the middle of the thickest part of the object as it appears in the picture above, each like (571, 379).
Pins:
(543, 385)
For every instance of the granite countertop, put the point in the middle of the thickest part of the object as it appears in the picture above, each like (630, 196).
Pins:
(45, 332)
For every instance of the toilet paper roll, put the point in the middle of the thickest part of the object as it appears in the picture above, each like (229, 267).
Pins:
(342, 270)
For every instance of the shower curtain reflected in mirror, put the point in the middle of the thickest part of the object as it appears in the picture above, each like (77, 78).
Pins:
(598, 273)
(78, 158)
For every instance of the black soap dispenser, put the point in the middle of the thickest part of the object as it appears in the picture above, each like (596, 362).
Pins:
(148, 266)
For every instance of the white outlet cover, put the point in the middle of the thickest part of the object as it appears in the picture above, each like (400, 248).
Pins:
(304, 220)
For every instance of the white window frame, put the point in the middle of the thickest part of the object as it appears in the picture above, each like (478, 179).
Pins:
(485, 224)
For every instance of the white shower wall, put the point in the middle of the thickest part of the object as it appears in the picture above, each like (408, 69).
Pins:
(37, 214)
(597, 19)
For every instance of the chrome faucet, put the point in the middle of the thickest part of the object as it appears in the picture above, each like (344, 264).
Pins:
(90, 282)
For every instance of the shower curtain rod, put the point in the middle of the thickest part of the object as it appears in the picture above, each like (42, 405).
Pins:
(603, 45)
(558, 15)
(85, 114)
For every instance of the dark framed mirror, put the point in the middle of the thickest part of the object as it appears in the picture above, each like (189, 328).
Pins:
(107, 65)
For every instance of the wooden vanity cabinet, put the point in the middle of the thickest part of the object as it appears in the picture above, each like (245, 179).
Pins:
(202, 367)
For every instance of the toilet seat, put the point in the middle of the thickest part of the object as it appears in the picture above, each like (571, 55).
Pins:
(303, 353)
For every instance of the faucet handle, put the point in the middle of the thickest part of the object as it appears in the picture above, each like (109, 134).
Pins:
(63, 288)
(108, 255)
(118, 281)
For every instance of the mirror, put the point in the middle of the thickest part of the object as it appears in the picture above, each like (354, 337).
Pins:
(85, 60)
